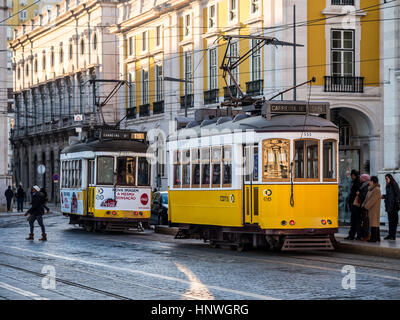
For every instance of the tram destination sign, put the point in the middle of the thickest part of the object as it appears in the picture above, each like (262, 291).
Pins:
(295, 107)
(122, 135)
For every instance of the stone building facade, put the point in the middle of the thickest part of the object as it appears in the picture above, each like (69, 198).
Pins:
(54, 57)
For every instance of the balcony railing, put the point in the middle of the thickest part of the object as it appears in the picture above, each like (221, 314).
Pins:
(131, 113)
(233, 90)
(342, 2)
(189, 101)
(158, 107)
(344, 84)
(255, 88)
(144, 110)
(211, 96)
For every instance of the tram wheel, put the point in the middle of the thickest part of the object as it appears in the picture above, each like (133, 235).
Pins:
(214, 245)
(89, 227)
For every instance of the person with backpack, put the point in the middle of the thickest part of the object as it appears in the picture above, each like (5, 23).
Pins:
(20, 195)
(36, 213)
(392, 205)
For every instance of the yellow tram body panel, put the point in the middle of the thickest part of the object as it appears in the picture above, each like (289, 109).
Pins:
(312, 204)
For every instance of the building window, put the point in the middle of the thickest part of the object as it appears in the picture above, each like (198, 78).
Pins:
(213, 69)
(342, 53)
(158, 36)
(82, 46)
(23, 15)
(187, 25)
(234, 54)
(130, 45)
(212, 13)
(95, 41)
(52, 58)
(275, 160)
(44, 61)
(255, 5)
(343, 2)
(70, 51)
(131, 90)
(61, 55)
(256, 61)
(188, 71)
(232, 10)
(36, 65)
(144, 41)
(27, 69)
(306, 159)
(159, 83)
(145, 87)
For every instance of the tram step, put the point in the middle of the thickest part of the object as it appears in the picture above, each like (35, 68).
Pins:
(307, 243)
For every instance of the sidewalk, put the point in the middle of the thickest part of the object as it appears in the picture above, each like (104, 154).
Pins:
(15, 213)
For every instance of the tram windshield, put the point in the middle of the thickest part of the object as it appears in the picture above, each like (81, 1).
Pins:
(126, 171)
(105, 170)
(143, 172)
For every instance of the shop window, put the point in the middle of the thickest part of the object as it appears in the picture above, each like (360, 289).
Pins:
(306, 159)
(275, 160)
(205, 167)
(329, 160)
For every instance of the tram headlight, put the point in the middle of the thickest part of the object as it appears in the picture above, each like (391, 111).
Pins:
(292, 223)
(323, 221)
(108, 212)
(283, 222)
(329, 221)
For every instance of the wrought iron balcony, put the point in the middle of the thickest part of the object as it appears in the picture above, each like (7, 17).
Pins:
(233, 91)
(158, 107)
(131, 113)
(189, 101)
(144, 110)
(344, 84)
(342, 2)
(211, 96)
(254, 88)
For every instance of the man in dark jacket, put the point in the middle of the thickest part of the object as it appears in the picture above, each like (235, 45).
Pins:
(36, 212)
(355, 220)
(392, 205)
(20, 195)
(9, 196)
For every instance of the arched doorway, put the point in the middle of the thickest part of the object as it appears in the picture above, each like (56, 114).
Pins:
(355, 131)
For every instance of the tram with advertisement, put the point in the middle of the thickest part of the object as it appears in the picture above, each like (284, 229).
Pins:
(106, 181)
(266, 175)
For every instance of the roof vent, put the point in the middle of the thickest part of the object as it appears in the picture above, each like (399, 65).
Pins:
(223, 120)
(192, 124)
(207, 122)
(240, 116)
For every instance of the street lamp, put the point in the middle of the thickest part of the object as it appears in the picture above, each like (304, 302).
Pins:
(181, 80)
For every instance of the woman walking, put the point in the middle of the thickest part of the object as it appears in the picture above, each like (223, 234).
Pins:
(372, 204)
(392, 202)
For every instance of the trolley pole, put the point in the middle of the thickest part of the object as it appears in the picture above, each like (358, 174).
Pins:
(294, 53)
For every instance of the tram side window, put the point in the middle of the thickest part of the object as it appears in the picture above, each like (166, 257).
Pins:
(195, 168)
(275, 160)
(105, 170)
(186, 168)
(177, 168)
(143, 172)
(329, 159)
(216, 157)
(79, 173)
(307, 159)
(69, 174)
(126, 171)
(91, 172)
(205, 167)
(227, 163)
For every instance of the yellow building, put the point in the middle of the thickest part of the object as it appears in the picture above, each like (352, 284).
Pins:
(181, 39)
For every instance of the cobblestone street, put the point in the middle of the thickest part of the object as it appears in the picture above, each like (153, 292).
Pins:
(156, 266)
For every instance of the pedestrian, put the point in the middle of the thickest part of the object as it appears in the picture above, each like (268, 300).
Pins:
(355, 220)
(9, 196)
(372, 204)
(361, 194)
(20, 195)
(392, 205)
(43, 190)
(36, 213)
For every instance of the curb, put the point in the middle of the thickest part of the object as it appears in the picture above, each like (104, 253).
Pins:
(172, 231)
(393, 253)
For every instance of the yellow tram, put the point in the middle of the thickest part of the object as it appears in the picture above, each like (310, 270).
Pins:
(267, 178)
(106, 182)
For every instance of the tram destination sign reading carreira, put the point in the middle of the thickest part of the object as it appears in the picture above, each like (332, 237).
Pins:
(122, 198)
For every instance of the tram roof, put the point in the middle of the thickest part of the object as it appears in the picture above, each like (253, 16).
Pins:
(277, 123)
(107, 146)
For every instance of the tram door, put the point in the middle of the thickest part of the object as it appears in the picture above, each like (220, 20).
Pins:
(90, 187)
(250, 188)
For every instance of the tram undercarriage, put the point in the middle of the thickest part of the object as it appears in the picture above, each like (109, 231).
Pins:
(92, 224)
(253, 237)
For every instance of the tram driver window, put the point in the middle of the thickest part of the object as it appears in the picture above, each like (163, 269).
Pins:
(177, 169)
(143, 172)
(306, 159)
(329, 160)
(126, 171)
(275, 159)
(105, 170)
(186, 168)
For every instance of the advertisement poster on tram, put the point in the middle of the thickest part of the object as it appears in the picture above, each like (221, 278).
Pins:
(122, 198)
(72, 201)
